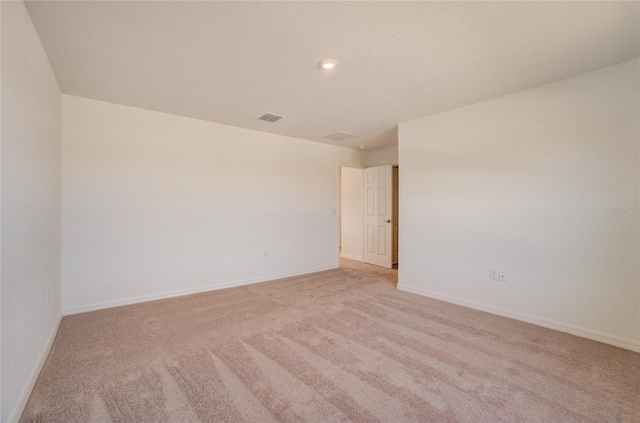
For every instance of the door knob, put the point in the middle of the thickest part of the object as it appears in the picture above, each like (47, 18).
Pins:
(388, 221)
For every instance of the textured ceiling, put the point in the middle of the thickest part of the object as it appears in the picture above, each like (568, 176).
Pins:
(230, 62)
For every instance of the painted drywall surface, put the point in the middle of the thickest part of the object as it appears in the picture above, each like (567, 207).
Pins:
(398, 60)
(154, 203)
(351, 213)
(543, 184)
(30, 251)
(381, 157)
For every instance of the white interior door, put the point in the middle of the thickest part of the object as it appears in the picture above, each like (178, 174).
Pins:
(378, 227)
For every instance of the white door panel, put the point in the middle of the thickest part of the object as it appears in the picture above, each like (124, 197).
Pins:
(378, 228)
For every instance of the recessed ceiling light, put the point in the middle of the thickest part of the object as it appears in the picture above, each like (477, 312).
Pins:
(327, 64)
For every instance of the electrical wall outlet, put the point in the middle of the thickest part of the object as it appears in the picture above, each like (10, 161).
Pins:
(494, 274)
(503, 275)
(265, 254)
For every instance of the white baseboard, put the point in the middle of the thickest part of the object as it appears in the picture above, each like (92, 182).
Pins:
(606, 338)
(26, 392)
(350, 257)
(189, 291)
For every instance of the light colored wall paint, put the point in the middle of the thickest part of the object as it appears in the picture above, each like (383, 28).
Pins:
(157, 205)
(381, 157)
(525, 183)
(351, 213)
(30, 195)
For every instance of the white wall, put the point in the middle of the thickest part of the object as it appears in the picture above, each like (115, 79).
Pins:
(30, 195)
(526, 183)
(351, 213)
(381, 157)
(155, 204)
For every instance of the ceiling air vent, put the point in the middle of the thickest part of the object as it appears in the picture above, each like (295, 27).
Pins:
(270, 117)
(339, 136)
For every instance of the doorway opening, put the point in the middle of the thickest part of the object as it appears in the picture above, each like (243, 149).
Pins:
(369, 218)
(351, 183)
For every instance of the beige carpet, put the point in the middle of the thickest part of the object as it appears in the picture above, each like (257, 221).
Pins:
(341, 345)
